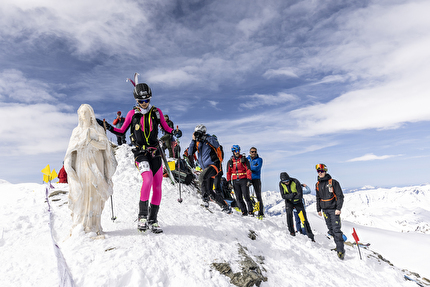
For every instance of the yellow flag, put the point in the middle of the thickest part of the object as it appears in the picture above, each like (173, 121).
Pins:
(302, 218)
(46, 170)
(46, 178)
(53, 174)
(48, 175)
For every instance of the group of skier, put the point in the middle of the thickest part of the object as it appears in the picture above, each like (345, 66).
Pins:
(242, 172)
(329, 202)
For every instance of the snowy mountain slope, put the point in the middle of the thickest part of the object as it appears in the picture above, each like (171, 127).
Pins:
(404, 209)
(193, 239)
(396, 221)
(26, 253)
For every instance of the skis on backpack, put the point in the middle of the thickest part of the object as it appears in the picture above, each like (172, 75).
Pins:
(166, 164)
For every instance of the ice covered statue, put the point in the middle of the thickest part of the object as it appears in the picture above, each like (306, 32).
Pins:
(90, 165)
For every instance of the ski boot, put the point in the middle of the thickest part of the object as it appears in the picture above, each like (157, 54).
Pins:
(155, 228)
(142, 223)
(341, 255)
(251, 213)
(227, 209)
(152, 220)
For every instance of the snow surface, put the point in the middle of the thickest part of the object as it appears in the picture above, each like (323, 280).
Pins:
(395, 221)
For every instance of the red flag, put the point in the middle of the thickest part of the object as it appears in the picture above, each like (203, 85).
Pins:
(354, 234)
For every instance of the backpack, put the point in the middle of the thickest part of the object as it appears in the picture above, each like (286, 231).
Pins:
(137, 136)
(243, 160)
(182, 173)
(219, 152)
(330, 186)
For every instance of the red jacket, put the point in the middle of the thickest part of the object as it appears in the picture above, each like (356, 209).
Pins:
(62, 175)
(238, 168)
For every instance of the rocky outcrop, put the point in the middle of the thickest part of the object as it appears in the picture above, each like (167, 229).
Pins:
(251, 273)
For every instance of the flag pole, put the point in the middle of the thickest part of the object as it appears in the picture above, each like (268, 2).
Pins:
(354, 234)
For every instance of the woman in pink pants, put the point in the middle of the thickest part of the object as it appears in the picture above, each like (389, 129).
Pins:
(144, 120)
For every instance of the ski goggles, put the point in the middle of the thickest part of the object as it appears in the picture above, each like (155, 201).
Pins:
(143, 101)
(321, 166)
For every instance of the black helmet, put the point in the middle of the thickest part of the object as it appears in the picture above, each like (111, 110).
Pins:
(284, 176)
(142, 92)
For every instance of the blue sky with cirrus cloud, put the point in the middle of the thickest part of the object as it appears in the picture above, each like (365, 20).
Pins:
(304, 81)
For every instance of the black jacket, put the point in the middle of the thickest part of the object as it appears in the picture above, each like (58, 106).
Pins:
(326, 199)
(293, 196)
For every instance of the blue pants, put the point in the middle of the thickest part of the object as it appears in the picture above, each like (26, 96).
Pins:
(299, 227)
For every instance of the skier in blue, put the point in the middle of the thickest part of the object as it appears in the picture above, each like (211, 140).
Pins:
(256, 163)
(209, 159)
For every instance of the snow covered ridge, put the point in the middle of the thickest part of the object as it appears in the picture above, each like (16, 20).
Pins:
(401, 209)
(193, 241)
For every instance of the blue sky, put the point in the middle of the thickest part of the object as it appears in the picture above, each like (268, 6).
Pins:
(345, 84)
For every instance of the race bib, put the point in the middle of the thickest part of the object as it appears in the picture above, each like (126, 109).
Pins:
(144, 166)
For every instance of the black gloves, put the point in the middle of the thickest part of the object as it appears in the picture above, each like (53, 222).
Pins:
(109, 127)
(248, 183)
(177, 133)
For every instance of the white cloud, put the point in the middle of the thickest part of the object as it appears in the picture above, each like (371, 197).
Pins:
(267, 100)
(286, 72)
(16, 87)
(90, 26)
(332, 79)
(371, 156)
(34, 129)
(171, 77)
(251, 25)
(386, 106)
(213, 103)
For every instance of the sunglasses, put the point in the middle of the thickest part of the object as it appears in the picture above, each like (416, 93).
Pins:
(253, 151)
(286, 181)
(143, 101)
(320, 171)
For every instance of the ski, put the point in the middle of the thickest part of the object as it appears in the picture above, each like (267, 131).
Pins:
(413, 280)
(166, 164)
(207, 208)
(365, 245)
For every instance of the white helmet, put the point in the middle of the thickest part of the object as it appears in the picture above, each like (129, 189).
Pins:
(200, 128)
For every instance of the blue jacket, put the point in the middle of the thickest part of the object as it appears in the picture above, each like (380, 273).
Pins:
(255, 164)
(206, 156)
